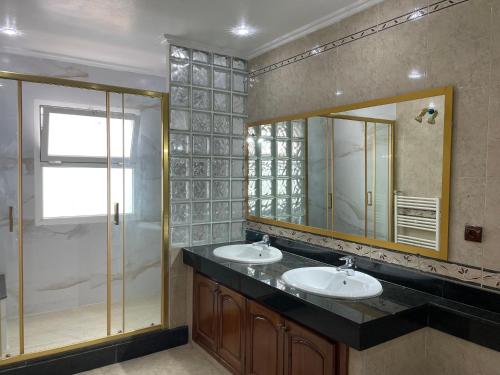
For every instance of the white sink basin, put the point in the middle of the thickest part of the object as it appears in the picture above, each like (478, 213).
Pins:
(327, 281)
(248, 253)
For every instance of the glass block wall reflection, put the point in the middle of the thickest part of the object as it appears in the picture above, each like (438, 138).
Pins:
(208, 95)
(277, 171)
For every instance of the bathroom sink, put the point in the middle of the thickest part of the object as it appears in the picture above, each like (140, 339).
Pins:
(330, 282)
(249, 253)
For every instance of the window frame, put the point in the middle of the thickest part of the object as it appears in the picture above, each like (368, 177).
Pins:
(43, 159)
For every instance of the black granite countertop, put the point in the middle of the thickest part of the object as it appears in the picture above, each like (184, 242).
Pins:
(3, 289)
(360, 324)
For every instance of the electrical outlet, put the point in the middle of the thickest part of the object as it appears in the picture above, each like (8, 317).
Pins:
(474, 234)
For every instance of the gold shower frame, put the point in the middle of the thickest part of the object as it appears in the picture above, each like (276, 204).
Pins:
(107, 89)
(442, 253)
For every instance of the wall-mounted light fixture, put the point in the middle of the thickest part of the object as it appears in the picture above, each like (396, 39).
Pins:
(431, 112)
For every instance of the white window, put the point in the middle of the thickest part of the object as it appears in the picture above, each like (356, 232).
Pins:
(73, 164)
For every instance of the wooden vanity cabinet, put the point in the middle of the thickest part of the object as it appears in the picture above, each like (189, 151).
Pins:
(205, 312)
(251, 339)
(265, 338)
(231, 324)
(219, 322)
(307, 353)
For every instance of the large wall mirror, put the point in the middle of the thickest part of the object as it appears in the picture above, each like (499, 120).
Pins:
(376, 172)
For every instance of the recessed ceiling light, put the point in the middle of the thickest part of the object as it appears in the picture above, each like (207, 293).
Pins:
(10, 31)
(1, 84)
(415, 74)
(243, 30)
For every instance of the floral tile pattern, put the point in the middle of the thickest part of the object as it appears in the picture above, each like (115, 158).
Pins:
(491, 280)
(471, 275)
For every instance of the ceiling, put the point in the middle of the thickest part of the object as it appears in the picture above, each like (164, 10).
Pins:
(129, 34)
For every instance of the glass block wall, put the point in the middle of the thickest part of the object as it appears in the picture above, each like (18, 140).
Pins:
(277, 172)
(208, 96)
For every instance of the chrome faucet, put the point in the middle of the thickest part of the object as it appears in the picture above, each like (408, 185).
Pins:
(265, 241)
(347, 267)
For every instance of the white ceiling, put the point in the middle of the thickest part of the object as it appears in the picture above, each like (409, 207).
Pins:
(128, 34)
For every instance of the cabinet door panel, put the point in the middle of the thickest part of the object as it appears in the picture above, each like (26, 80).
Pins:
(231, 323)
(264, 353)
(307, 353)
(205, 312)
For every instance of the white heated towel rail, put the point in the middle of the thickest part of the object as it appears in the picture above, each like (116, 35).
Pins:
(423, 224)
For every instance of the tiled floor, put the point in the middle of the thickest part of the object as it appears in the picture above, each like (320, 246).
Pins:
(184, 360)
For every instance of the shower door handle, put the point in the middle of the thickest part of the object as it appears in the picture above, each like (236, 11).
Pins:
(116, 218)
(11, 219)
(330, 201)
(369, 198)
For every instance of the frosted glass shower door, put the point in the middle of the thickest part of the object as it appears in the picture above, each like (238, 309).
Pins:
(378, 180)
(383, 181)
(319, 199)
(349, 176)
(136, 207)
(9, 304)
(65, 215)
(371, 171)
(142, 222)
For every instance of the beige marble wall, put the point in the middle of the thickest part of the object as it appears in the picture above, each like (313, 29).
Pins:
(458, 46)
(404, 355)
(426, 351)
(418, 149)
(180, 290)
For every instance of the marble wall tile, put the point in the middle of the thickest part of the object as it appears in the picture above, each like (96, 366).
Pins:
(404, 355)
(400, 51)
(357, 71)
(178, 300)
(491, 244)
(492, 165)
(391, 9)
(457, 46)
(467, 207)
(359, 21)
(495, 42)
(470, 132)
(448, 355)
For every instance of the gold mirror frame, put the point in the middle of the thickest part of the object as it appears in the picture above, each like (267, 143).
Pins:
(442, 253)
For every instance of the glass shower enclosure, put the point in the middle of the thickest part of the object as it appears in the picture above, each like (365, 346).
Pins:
(82, 203)
(362, 176)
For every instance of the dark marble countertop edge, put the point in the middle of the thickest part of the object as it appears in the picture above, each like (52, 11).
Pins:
(3, 289)
(439, 313)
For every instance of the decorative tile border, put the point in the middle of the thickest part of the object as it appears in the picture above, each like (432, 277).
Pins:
(468, 274)
(491, 279)
(386, 25)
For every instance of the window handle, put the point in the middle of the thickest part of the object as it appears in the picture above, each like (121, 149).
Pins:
(11, 219)
(116, 218)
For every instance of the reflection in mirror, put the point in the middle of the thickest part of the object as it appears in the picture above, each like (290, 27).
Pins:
(276, 171)
(373, 172)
